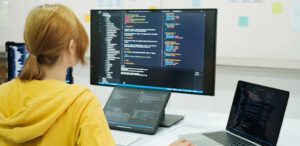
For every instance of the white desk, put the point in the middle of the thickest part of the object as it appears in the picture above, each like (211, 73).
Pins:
(195, 122)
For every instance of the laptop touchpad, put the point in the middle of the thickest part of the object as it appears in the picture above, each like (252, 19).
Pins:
(200, 140)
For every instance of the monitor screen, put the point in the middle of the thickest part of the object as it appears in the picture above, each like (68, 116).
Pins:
(16, 57)
(154, 49)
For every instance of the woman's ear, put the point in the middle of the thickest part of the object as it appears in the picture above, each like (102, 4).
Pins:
(71, 57)
(72, 47)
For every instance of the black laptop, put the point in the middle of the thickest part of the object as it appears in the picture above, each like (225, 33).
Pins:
(136, 110)
(255, 118)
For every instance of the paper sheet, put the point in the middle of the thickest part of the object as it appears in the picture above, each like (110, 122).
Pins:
(277, 8)
(110, 4)
(87, 18)
(142, 4)
(296, 15)
(243, 21)
(196, 3)
(246, 1)
(177, 4)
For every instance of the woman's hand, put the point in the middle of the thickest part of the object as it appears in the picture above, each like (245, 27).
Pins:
(182, 142)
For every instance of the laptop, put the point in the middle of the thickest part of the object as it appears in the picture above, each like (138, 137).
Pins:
(136, 110)
(255, 118)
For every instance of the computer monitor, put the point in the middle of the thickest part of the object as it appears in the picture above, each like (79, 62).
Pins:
(171, 50)
(16, 57)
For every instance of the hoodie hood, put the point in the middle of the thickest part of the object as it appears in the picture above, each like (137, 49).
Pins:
(29, 108)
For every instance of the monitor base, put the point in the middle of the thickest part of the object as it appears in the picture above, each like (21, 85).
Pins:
(170, 120)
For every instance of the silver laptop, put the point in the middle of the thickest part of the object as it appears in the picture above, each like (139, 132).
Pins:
(255, 118)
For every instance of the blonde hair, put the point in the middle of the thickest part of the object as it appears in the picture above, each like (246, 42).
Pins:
(48, 32)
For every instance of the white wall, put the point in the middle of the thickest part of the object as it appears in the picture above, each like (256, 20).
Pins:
(2, 48)
(269, 40)
(226, 80)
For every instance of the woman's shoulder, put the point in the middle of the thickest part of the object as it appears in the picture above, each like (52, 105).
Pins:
(87, 93)
(86, 104)
(8, 84)
(87, 97)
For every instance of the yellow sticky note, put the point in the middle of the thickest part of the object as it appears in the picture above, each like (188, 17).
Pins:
(87, 18)
(277, 8)
(152, 7)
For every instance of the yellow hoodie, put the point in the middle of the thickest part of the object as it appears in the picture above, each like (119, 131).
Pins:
(51, 113)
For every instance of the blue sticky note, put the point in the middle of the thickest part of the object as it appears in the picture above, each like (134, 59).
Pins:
(243, 21)
(296, 16)
(196, 3)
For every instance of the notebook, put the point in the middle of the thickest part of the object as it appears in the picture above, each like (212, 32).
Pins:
(255, 118)
(136, 110)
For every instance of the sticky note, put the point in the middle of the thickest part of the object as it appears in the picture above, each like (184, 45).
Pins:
(296, 16)
(119, 3)
(297, 8)
(152, 7)
(246, 1)
(196, 3)
(87, 18)
(243, 21)
(277, 8)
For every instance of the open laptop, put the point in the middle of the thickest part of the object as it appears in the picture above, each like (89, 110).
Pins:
(255, 118)
(136, 110)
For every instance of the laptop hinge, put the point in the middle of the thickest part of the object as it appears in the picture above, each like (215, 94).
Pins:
(242, 138)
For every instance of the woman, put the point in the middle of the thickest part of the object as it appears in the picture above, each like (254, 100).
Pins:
(38, 107)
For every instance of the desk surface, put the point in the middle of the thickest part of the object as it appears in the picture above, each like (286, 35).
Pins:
(197, 122)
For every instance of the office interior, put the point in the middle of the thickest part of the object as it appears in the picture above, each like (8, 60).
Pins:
(257, 41)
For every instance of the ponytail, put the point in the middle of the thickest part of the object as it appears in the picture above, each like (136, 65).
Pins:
(32, 69)
(47, 34)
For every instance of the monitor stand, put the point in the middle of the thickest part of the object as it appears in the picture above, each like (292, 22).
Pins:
(169, 120)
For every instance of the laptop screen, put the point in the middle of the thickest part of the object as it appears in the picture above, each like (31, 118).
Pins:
(137, 110)
(257, 112)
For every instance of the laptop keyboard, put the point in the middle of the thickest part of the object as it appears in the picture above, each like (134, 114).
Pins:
(125, 139)
(227, 139)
